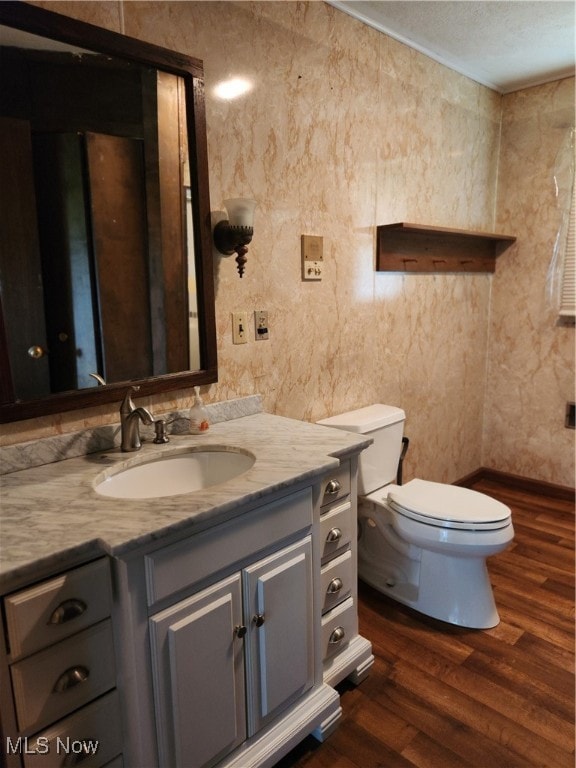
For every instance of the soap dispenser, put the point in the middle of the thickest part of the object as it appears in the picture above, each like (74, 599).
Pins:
(199, 421)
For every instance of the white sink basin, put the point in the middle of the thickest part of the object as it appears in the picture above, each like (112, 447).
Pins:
(174, 474)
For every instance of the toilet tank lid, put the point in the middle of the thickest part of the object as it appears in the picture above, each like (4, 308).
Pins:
(366, 419)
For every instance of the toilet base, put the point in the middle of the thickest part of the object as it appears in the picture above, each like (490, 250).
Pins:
(453, 589)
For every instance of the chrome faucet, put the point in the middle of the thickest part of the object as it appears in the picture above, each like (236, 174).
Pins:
(130, 418)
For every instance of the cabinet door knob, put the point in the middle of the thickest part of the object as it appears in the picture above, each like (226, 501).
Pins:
(240, 631)
(71, 678)
(334, 586)
(334, 534)
(337, 635)
(66, 611)
(258, 619)
(332, 487)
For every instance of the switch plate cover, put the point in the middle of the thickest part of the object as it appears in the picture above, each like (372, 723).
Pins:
(312, 257)
(261, 325)
(239, 327)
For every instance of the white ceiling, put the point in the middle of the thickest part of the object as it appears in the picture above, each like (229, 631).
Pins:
(504, 44)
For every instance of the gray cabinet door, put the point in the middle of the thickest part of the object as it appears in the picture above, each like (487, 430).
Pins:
(278, 614)
(198, 673)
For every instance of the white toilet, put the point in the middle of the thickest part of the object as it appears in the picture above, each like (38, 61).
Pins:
(424, 544)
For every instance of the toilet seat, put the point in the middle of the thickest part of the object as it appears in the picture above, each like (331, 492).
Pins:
(448, 506)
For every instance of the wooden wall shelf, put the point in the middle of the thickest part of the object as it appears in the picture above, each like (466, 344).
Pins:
(406, 247)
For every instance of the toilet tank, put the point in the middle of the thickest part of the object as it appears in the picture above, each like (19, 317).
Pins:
(378, 464)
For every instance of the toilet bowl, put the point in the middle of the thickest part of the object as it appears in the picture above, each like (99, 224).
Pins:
(423, 544)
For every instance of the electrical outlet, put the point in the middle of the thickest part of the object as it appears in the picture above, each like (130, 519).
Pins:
(261, 324)
(312, 257)
(239, 327)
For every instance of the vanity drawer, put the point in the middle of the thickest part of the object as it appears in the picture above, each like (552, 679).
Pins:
(56, 608)
(336, 485)
(198, 557)
(96, 725)
(57, 680)
(336, 580)
(337, 526)
(339, 626)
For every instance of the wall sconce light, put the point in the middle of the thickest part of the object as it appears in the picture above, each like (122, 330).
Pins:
(233, 235)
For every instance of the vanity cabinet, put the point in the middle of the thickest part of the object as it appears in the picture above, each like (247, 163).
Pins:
(345, 652)
(210, 634)
(229, 634)
(60, 667)
(227, 660)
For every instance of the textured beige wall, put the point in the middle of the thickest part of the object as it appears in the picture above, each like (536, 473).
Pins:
(344, 129)
(531, 361)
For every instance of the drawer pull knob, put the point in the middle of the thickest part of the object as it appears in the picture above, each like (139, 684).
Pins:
(68, 610)
(334, 586)
(334, 534)
(332, 487)
(75, 758)
(337, 635)
(258, 619)
(71, 678)
(240, 631)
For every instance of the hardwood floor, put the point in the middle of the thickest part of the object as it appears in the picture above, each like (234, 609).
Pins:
(440, 696)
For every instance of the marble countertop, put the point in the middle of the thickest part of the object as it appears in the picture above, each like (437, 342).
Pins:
(51, 517)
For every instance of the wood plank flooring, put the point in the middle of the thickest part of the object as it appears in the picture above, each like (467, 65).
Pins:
(440, 696)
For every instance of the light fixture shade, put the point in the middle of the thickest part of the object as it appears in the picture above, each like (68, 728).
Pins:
(240, 211)
(234, 235)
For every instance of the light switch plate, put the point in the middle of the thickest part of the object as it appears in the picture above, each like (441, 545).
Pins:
(312, 257)
(239, 327)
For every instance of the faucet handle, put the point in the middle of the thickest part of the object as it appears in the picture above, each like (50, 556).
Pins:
(127, 404)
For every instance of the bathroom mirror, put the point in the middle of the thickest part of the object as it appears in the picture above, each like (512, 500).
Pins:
(105, 238)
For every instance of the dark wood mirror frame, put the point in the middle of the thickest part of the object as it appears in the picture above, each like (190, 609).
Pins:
(45, 23)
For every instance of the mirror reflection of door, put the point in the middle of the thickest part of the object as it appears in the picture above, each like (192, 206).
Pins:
(20, 268)
(92, 226)
(118, 216)
(66, 257)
